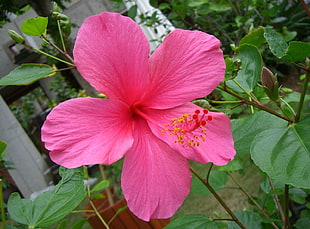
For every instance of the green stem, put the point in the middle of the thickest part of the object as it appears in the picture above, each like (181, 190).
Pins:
(108, 190)
(277, 200)
(258, 105)
(218, 198)
(245, 91)
(58, 49)
(82, 211)
(49, 55)
(302, 96)
(3, 224)
(287, 105)
(54, 57)
(224, 102)
(252, 199)
(61, 37)
(286, 208)
(96, 211)
(98, 214)
(64, 69)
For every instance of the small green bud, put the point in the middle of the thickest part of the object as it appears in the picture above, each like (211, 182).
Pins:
(270, 84)
(286, 90)
(16, 36)
(65, 22)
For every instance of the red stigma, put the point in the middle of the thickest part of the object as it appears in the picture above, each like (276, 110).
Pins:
(190, 129)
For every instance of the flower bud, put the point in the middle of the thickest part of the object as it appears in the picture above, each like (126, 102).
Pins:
(16, 36)
(268, 78)
(270, 84)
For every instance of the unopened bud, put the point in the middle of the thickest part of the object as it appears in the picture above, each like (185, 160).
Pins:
(270, 84)
(16, 36)
(268, 78)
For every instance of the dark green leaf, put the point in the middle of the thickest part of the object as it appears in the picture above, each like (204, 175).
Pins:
(265, 185)
(255, 38)
(132, 12)
(164, 6)
(284, 153)
(62, 224)
(34, 26)
(9, 226)
(231, 68)
(192, 222)
(302, 223)
(101, 185)
(298, 195)
(297, 51)
(251, 67)
(79, 224)
(248, 219)
(27, 74)
(245, 129)
(154, 3)
(51, 206)
(217, 180)
(276, 42)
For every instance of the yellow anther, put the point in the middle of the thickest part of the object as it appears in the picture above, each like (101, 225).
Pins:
(189, 129)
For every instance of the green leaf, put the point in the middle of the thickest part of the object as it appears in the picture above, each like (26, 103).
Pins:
(9, 226)
(132, 12)
(79, 224)
(250, 70)
(265, 185)
(255, 38)
(297, 51)
(220, 7)
(27, 74)
(34, 26)
(62, 224)
(302, 223)
(298, 195)
(97, 196)
(217, 180)
(231, 68)
(192, 222)
(164, 6)
(101, 185)
(2, 146)
(284, 153)
(248, 219)
(51, 206)
(234, 165)
(276, 42)
(245, 129)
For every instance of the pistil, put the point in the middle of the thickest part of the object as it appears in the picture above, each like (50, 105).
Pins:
(190, 129)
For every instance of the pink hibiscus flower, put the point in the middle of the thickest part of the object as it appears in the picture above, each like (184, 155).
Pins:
(147, 116)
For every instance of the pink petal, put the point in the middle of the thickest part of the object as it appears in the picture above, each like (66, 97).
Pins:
(188, 65)
(111, 52)
(88, 131)
(218, 147)
(155, 179)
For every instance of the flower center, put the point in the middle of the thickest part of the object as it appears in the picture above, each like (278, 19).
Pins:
(190, 129)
